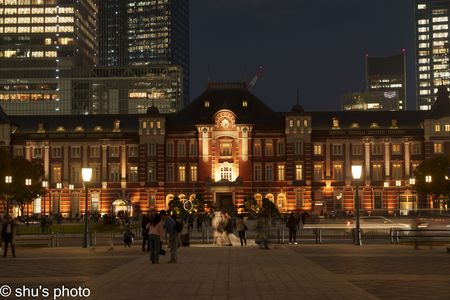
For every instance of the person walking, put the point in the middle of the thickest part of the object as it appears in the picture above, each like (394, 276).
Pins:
(292, 224)
(9, 230)
(156, 235)
(169, 227)
(241, 228)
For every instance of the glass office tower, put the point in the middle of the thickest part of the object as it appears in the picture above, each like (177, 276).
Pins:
(42, 44)
(432, 49)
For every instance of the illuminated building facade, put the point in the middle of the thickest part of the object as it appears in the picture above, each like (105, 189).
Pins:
(370, 100)
(42, 44)
(388, 74)
(432, 49)
(228, 145)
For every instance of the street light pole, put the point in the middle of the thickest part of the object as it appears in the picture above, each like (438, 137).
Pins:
(356, 172)
(28, 184)
(87, 175)
(45, 186)
(8, 181)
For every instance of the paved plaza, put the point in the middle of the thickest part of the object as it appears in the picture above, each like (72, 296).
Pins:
(331, 271)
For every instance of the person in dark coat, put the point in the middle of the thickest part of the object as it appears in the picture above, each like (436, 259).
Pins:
(145, 240)
(9, 230)
(292, 224)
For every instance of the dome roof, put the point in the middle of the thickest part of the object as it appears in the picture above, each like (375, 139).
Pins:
(297, 108)
(152, 110)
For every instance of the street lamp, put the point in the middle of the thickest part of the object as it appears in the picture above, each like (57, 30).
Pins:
(28, 183)
(45, 186)
(86, 173)
(428, 179)
(8, 181)
(71, 187)
(356, 173)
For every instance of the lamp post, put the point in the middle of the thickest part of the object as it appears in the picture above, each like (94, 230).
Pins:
(86, 173)
(8, 181)
(28, 184)
(356, 173)
(386, 186)
(45, 186)
(429, 179)
(398, 183)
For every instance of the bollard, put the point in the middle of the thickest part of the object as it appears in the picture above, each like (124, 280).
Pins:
(282, 236)
(278, 235)
(95, 238)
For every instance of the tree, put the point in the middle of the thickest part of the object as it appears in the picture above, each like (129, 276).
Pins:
(269, 209)
(19, 169)
(177, 206)
(251, 206)
(437, 168)
(198, 203)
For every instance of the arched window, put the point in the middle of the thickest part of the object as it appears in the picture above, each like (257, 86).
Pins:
(270, 197)
(281, 202)
(169, 198)
(258, 197)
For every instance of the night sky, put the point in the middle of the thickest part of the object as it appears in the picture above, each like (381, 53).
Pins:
(316, 46)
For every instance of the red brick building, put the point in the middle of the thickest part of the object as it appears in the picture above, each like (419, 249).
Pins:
(228, 145)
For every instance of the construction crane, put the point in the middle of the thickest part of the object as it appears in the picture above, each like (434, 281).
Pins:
(259, 74)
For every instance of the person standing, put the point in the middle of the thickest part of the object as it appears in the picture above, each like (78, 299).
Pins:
(241, 228)
(145, 235)
(9, 230)
(169, 226)
(156, 235)
(292, 224)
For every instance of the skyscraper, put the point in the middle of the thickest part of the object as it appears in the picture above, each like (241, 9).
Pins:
(432, 46)
(145, 33)
(388, 75)
(42, 44)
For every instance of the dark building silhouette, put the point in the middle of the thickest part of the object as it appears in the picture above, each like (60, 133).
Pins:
(388, 74)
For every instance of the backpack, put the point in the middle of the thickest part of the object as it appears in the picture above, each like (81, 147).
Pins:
(178, 226)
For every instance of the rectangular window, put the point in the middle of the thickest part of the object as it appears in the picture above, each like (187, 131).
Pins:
(18, 151)
(437, 148)
(299, 199)
(151, 173)
(317, 149)
(56, 152)
(257, 173)
(75, 152)
(181, 149)
(437, 128)
(94, 152)
(225, 149)
(268, 151)
(114, 175)
(318, 172)
(397, 171)
(75, 174)
(377, 172)
(377, 149)
(169, 149)
(416, 148)
(133, 151)
(133, 174)
(298, 148)
(338, 174)
(357, 149)
(169, 173)
(280, 148)
(447, 127)
(377, 199)
(151, 149)
(298, 172)
(56, 174)
(95, 202)
(193, 173)
(281, 172)
(181, 173)
(37, 152)
(337, 149)
(269, 173)
(114, 151)
(95, 173)
(193, 149)
(257, 149)
(396, 149)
